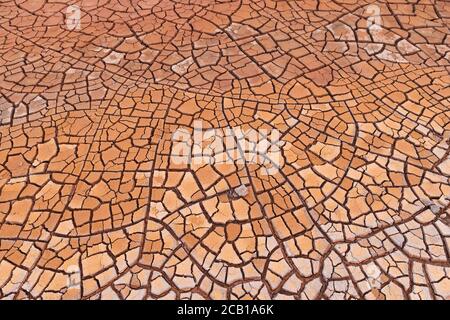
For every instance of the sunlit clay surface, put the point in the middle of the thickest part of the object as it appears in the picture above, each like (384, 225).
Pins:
(224, 149)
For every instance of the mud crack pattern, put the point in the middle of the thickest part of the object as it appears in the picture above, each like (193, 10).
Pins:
(93, 205)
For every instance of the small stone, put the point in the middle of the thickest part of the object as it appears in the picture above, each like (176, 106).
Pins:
(238, 192)
(182, 67)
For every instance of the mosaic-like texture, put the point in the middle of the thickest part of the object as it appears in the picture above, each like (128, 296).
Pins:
(170, 149)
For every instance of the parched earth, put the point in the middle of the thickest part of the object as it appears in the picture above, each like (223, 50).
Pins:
(350, 200)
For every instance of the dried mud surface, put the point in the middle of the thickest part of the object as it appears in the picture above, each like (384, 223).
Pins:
(93, 205)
